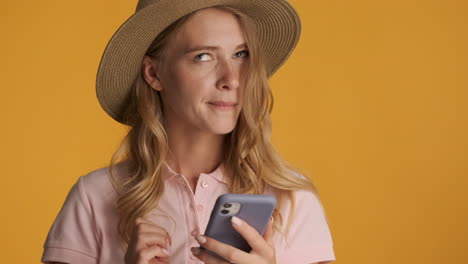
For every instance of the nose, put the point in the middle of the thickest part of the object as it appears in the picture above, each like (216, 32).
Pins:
(228, 75)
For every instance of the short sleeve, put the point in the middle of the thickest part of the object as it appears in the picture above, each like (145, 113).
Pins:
(72, 237)
(309, 239)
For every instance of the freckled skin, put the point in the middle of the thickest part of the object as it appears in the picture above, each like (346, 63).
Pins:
(188, 81)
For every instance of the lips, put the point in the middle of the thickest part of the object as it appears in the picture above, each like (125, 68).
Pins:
(223, 103)
(223, 106)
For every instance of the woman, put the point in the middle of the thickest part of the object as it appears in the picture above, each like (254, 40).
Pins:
(190, 79)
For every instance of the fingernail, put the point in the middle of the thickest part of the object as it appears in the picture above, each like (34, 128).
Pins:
(195, 250)
(165, 251)
(201, 239)
(236, 221)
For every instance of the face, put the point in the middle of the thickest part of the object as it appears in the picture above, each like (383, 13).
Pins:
(200, 77)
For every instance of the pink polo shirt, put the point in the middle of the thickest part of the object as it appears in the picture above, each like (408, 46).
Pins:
(85, 230)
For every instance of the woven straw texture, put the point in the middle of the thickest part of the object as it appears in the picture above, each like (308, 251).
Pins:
(277, 23)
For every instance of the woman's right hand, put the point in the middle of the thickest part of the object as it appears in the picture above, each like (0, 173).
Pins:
(149, 244)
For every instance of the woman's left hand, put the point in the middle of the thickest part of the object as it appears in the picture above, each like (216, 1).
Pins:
(263, 250)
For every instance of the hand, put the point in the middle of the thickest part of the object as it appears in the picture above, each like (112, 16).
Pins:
(263, 251)
(149, 244)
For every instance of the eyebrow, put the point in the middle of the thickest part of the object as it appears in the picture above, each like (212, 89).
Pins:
(198, 48)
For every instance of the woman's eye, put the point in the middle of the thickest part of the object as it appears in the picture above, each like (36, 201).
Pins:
(203, 57)
(206, 57)
(242, 54)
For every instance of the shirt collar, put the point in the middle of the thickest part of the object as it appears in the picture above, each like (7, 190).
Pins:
(218, 174)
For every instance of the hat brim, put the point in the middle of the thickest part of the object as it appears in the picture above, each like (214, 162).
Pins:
(278, 29)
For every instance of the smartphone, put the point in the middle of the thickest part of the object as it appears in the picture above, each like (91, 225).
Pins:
(255, 209)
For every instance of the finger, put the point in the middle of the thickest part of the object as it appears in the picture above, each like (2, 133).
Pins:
(165, 260)
(206, 257)
(145, 226)
(150, 226)
(145, 221)
(150, 253)
(160, 260)
(255, 240)
(226, 251)
(268, 235)
(151, 239)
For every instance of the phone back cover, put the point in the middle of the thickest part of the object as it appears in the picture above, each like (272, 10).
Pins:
(255, 209)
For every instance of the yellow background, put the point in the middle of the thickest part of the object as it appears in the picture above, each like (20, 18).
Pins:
(372, 104)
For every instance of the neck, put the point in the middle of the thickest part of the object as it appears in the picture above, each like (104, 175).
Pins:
(192, 151)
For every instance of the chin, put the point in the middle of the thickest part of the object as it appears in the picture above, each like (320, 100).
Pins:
(223, 129)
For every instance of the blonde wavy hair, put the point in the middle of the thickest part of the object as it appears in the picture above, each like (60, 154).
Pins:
(248, 154)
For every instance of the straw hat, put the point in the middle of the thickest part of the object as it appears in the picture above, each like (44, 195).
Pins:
(278, 28)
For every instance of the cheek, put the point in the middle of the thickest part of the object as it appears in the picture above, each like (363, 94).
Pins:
(186, 90)
(195, 82)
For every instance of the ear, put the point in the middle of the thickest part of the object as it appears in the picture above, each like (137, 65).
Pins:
(150, 72)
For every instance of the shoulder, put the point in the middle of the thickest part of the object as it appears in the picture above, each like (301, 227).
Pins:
(296, 174)
(86, 220)
(99, 180)
(308, 238)
(94, 191)
(305, 206)
(303, 195)
(306, 202)
(293, 174)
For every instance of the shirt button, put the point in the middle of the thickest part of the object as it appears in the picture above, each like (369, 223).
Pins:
(200, 208)
(204, 184)
(194, 232)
